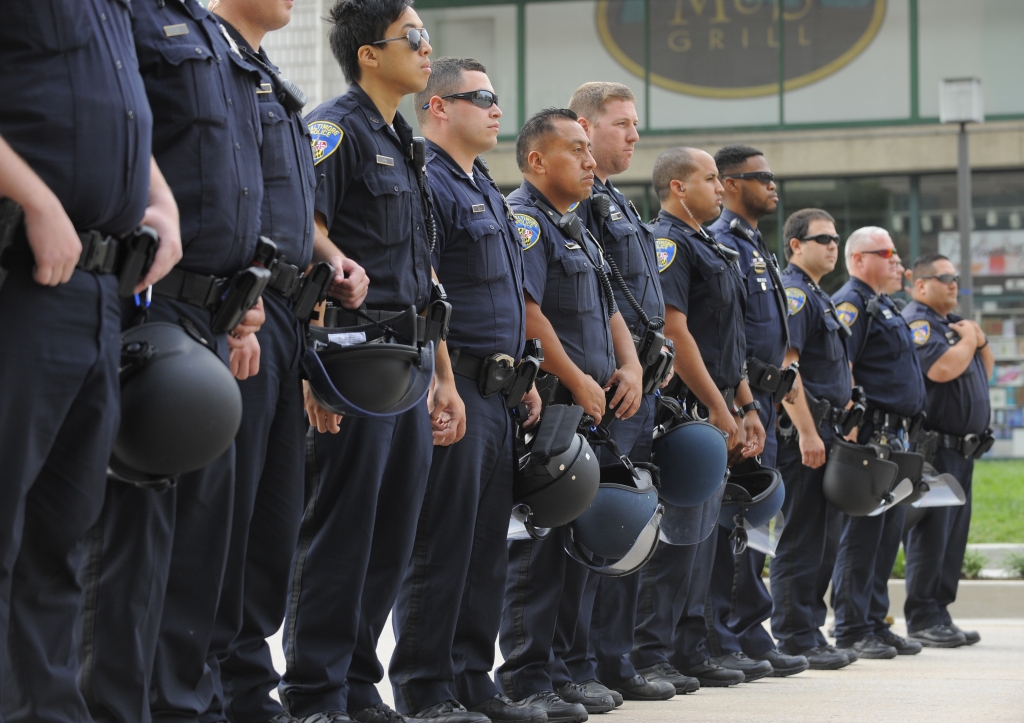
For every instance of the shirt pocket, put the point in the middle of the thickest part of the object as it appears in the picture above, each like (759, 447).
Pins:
(53, 25)
(577, 287)
(713, 273)
(189, 88)
(759, 299)
(278, 146)
(625, 248)
(833, 340)
(486, 253)
(393, 199)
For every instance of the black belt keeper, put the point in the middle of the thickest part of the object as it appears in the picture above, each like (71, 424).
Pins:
(199, 290)
(99, 253)
(494, 374)
(286, 280)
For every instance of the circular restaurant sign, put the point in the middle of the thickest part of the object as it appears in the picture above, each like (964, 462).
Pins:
(730, 48)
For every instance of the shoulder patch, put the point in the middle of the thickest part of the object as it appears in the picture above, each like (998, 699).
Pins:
(665, 248)
(922, 331)
(847, 313)
(574, 206)
(529, 230)
(795, 298)
(325, 137)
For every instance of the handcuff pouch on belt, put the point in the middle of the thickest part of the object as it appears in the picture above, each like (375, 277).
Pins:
(769, 378)
(439, 314)
(656, 355)
(498, 373)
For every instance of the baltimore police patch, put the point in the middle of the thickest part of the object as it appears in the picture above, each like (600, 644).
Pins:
(847, 313)
(325, 137)
(795, 299)
(529, 230)
(922, 331)
(665, 248)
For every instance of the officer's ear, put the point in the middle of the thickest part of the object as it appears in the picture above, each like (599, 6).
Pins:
(794, 246)
(677, 187)
(585, 123)
(535, 160)
(436, 107)
(368, 56)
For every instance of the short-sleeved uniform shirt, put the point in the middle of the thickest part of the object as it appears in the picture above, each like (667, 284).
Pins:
(700, 283)
(560, 276)
(765, 321)
(814, 332)
(369, 193)
(287, 159)
(74, 107)
(960, 406)
(630, 243)
(206, 132)
(884, 360)
(478, 259)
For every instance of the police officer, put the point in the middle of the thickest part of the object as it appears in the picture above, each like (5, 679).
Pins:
(705, 300)
(603, 636)
(159, 557)
(588, 347)
(739, 601)
(881, 350)
(366, 477)
(957, 362)
(270, 446)
(81, 172)
(449, 607)
(803, 557)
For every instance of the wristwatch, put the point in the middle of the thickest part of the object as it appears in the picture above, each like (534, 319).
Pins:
(754, 406)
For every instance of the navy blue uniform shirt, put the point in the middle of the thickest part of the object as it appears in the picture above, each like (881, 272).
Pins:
(630, 243)
(709, 291)
(206, 135)
(884, 362)
(478, 259)
(960, 406)
(287, 155)
(371, 199)
(75, 109)
(560, 276)
(765, 328)
(814, 333)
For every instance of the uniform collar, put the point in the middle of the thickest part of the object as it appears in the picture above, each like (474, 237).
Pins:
(728, 217)
(447, 160)
(676, 221)
(376, 118)
(861, 285)
(242, 43)
(917, 306)
(532, 191)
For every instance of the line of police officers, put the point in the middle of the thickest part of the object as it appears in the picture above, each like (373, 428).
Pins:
(124, 603)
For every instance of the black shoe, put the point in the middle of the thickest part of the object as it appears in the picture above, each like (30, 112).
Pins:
(639, 688)
(596, 687)
(752, 669)
(594, 701)
(970, 636)
(902, 645)
(556, 709)
(379, 713)
(825, 657)
(331, 716)
(784, 665)
(939, 636)
(285, 718)
(451, 711)
(712, 675)
(850, 653)
(870, 647)
(663, 671)
(502, 709)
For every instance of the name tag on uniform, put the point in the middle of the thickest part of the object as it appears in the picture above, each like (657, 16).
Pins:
(172, 31)
(886, 313)
(572, 245)
(385, 160)
(479, 208)
(759, 265)
(615, 216)
(265, 88)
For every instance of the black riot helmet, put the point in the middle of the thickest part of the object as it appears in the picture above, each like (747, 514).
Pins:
(752, 507)
(858, 478)
(557, 474)
(180, 406)
(364, 370)
(618, 532)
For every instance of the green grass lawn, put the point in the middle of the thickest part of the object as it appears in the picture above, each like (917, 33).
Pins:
(998, 501)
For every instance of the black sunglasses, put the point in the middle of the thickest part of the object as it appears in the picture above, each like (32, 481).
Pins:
(823, 238)
(943, 278)
(479, 98)
(414, 37)
(764, 177)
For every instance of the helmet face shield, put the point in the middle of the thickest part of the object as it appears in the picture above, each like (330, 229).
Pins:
(765, 538)
(690, 525)
(937, 490)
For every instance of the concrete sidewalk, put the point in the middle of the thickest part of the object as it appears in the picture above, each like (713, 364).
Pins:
(984, 682)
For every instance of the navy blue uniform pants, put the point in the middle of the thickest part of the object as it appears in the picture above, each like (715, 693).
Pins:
(59, 414)
(449, 607)
(935, 550)
(804, 559)
(269, 489)
(365, 487)
(150, 548)
(739, 600)
(603, 636)
(544, 612)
